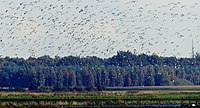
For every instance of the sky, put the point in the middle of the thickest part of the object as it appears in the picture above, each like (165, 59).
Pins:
(98, 27)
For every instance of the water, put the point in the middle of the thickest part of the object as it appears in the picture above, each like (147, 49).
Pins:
(134, 106)
(157, 105)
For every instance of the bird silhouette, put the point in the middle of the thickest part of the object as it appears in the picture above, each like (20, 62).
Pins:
(97, 28)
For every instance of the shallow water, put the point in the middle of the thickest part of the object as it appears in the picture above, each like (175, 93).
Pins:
(134, 106)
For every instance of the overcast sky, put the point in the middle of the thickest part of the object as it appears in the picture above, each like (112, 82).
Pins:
(98, 27)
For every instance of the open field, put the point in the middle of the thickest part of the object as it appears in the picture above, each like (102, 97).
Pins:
(155, 88)
(176, 95)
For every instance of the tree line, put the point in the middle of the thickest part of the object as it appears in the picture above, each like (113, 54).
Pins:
(92, 73)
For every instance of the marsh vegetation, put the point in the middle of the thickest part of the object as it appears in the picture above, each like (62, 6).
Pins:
(138, 96)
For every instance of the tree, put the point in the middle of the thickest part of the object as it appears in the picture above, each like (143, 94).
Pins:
(127, 80)
(149, 79)
(72, 79)
(75, 73)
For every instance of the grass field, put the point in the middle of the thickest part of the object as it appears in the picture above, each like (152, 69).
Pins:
(113, 96)
(155, 88)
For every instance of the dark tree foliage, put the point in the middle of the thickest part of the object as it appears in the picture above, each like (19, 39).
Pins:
(93, 73)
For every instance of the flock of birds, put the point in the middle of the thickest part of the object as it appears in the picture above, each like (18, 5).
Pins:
(98, 27)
